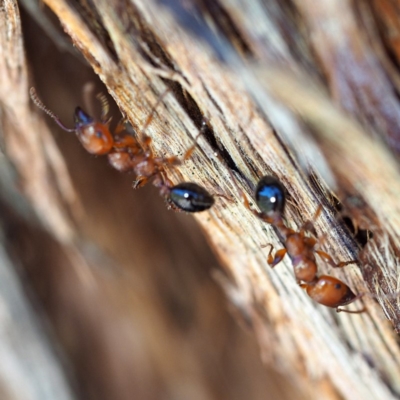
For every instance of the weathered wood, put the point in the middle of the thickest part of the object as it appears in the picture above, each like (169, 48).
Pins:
(270, 117)
(136, 313)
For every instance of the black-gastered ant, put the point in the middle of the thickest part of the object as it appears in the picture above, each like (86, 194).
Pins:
(125, 154)
(301, 248)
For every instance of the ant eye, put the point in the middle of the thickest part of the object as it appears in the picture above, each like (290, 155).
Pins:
(270, 195)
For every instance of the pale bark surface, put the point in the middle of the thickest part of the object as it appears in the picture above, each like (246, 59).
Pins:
(319, 109)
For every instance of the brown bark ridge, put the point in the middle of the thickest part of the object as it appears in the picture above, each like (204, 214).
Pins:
(307, 91)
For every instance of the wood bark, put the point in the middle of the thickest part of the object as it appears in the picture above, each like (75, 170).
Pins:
(303, 90)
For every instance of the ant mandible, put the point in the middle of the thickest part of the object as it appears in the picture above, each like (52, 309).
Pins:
(125, 153)
(324, 289)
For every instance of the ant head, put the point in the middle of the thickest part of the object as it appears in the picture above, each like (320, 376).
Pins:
(190, 197)
(270, 195)
(94, 136)
(81, 118)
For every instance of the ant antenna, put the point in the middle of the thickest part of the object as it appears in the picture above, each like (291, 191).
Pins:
(39, 103)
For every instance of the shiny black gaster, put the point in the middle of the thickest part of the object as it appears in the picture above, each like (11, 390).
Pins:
(190, 197)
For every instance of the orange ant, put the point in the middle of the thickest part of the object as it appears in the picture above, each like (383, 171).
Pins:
(326, 290)
(125, 153)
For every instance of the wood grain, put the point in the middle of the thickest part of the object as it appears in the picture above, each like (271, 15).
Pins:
(308, 93)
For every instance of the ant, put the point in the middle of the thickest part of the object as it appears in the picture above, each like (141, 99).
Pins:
(326, 290)
(125, 153)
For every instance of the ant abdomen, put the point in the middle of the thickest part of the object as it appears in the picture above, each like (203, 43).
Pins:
(190, 197)
(330, 292)
(270, 195)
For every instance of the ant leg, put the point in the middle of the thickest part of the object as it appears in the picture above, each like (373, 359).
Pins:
(159, 180)
(145, 143)
(338, 309)
(190, 150)
(152, 113)
(140, 181)
(174, 160)
(304, 285)
(308, 226)
(321, 240)
(224, 196)
(275, 260)
(164, 184)
(120, 127)
(332, 263)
